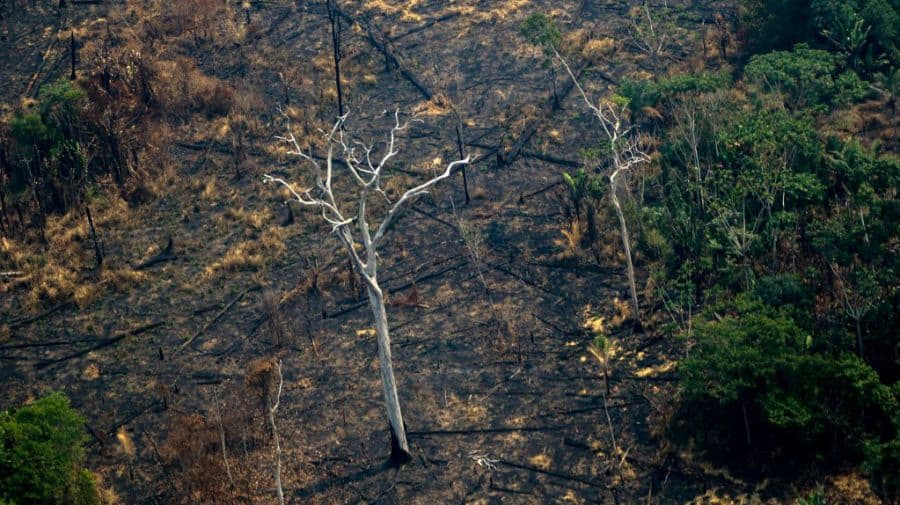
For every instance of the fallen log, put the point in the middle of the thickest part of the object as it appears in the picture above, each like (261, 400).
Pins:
(47, 343)
(18, 323)
(425, 26)
(391, 56)
(100, 344)
(216, 318)
(166, 254)
(393, 291)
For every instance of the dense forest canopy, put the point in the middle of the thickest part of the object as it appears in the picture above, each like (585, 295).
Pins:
(592, 251)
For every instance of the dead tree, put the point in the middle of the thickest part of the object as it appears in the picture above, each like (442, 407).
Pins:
(272, 406)
(334, 19)
(73, 55)
(651, 36)
(625, 155)
(366, 174)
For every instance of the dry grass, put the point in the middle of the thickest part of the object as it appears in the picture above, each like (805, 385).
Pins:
(250, 254)
(254, 219)
(573, 234)
(456, 412)
(598, 48)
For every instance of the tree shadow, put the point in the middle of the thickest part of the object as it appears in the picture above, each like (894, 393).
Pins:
(341, 481)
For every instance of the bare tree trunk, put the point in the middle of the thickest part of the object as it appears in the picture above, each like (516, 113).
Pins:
(222, 440)
(626, 244)
(399, 445)
(72, 54)
(279, 491)
(42, 217)
(98, 251)
(335, 19)
(368, 180)
(5, 221)
(461, 144)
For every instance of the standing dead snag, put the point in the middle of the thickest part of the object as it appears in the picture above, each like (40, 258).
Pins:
(334, 19)
(625, 155)
(271, 408)
(367, 175)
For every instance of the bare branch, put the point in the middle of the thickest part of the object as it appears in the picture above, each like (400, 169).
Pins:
(414, 192)
(358, 158)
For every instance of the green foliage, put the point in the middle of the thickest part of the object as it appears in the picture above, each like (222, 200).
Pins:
(540, 30)
(647, 93)
(816, 497)
(808, 77)
(774, 250)
(583, 185)
(777, 24)
(865, 32)
(48, 148)
(757, 363)
(860, 29)
(41, 451)
(789, 292)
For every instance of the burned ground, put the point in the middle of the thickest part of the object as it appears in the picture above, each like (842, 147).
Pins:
(488, 305)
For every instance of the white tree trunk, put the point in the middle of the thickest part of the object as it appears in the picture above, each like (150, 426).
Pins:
(358, 159)
(391, 400)
(626, 245)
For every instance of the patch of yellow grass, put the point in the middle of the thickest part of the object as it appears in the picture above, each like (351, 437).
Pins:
(125, 441)
(541, 461)
(87, 294)
(570, 497)
(503, 10)
(405, 9)
(623, 312)
(458, 411)
(122, 279)
(250, 254)
(594, 323)
(850, 489)
(572, 235)
(209, 189)
(598, 48)
(718, 497)
(255, 219)
(51, 282)
(437, 106)
(91, 372)
(244, 256)
(278, 152)
(652, 371)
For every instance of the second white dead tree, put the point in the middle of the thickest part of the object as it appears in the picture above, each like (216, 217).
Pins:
(625, 155)
(271, 408)
(360, 239)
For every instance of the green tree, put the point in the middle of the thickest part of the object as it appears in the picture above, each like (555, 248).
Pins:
(41, 453)
(809, 78)
(541, 31)
(787, 395)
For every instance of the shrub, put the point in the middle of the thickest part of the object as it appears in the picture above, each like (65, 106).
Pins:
(864, 31)
(541, 30)
(808, 77)
(773, 397)
(47, 141)
(41, 452)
